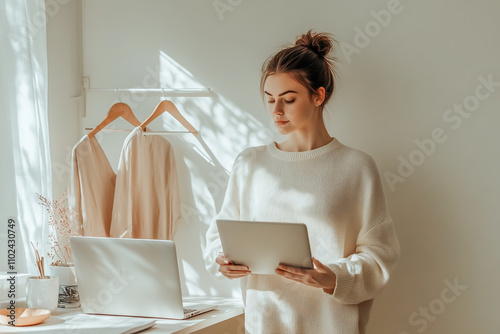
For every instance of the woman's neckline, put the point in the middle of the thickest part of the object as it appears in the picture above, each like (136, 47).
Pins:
(304, 155)
(331, 139)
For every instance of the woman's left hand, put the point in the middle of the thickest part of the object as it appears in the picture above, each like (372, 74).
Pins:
(319, 277)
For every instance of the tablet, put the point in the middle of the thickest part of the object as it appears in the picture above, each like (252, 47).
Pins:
(262, 245)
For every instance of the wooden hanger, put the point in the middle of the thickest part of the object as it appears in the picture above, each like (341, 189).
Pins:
(119, 109)
(166, 105)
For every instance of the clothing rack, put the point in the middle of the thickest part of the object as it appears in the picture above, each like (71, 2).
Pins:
(195, 92)
(187, 92)
(147, 133)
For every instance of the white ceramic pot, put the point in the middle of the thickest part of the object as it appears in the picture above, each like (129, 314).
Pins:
(42, 293)
(66, 274)
(68, 288)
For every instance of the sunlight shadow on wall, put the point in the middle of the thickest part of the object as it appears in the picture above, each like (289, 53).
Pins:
(204, 163)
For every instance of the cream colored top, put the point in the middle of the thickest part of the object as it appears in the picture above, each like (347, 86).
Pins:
(146, 201)
(91, 188)
(337, 192)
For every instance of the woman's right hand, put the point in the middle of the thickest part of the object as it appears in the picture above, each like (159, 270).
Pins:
(230, 270)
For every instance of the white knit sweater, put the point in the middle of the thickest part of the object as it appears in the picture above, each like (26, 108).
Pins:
(336, 191)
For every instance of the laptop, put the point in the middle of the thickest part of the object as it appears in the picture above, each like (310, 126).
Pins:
(263, 245)
(130, 277)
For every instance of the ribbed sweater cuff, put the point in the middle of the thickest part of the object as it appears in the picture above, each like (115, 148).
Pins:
(218, 275)
(343, 284)
(210, 255)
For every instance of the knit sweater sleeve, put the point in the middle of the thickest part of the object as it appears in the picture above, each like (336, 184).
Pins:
(230, 209)
(363, 274)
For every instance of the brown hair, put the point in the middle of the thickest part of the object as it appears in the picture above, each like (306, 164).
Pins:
(308, 61)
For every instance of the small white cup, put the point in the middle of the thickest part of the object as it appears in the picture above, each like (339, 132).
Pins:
(42, 293)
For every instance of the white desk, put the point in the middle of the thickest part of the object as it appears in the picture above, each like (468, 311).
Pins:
(227, 308)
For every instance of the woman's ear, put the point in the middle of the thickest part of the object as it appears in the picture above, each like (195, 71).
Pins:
(319, 97)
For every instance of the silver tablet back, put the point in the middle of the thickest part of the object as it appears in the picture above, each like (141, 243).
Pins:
(262, 246)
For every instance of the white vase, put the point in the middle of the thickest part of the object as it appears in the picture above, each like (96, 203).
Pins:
(42, 293)
(68, 287)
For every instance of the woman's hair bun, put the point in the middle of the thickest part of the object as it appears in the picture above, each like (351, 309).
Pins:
(310, 60)
(320, 43)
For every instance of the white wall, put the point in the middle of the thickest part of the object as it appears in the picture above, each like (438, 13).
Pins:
(65, 75)
(393, 91)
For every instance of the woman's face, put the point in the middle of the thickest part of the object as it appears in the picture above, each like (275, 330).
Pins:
(290, 104)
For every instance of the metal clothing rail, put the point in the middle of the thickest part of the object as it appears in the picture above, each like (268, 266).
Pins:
(147, 133)
(156, 91)
(187, 92)
(164, 92)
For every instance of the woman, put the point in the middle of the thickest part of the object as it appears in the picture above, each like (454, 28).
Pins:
(309, 178)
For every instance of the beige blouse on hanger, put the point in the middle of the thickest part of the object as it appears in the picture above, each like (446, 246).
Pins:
(146, 201)
(91, 188)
